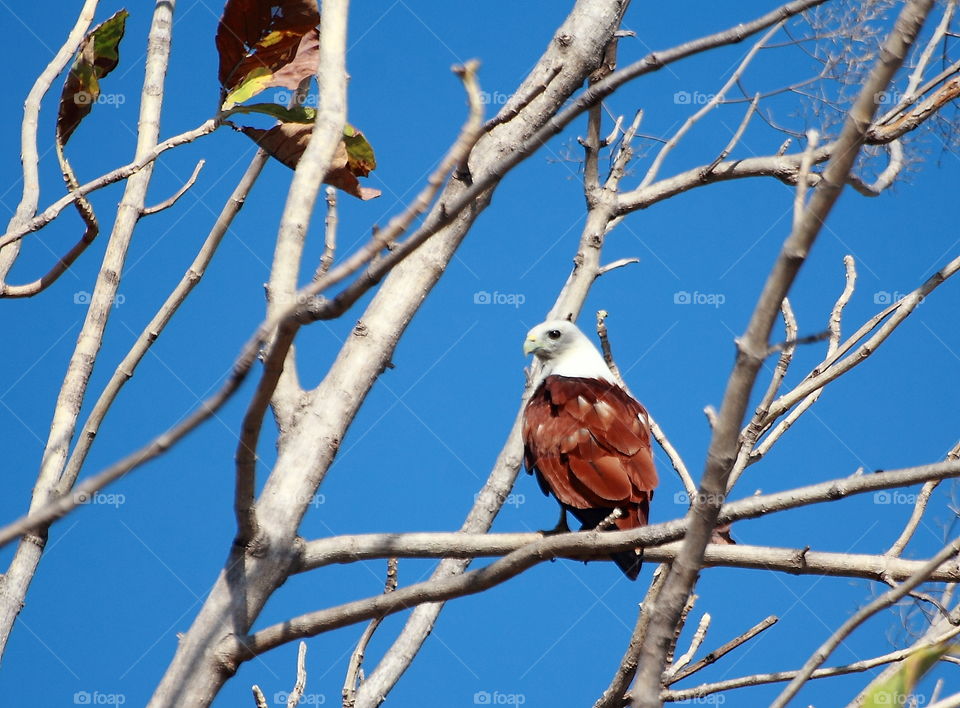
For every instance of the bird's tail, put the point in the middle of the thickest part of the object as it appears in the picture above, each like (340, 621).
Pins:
(629, 562)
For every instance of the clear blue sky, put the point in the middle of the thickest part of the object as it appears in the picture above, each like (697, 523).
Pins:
(118, 582)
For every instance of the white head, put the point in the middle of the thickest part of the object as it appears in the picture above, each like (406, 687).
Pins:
(566, 351)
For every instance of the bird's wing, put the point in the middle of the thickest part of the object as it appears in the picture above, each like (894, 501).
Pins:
(590, 442)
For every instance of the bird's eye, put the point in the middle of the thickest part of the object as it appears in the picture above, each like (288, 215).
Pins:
(554, 334)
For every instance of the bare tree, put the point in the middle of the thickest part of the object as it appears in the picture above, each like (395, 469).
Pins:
(850, 132)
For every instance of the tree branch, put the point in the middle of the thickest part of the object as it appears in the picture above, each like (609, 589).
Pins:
(751, 352)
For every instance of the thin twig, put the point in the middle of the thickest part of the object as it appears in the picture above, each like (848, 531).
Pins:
(301, 684)
(613, 695)
(29, 156)
(125, 370)
(714, 101)
(355, 667)
(833, 329)
(51, 212)
(329, 234)
(687, 656)
(736, 136)
(170, 201)
(259, 698)
(919, 507)
(699, 692)
(724, 649)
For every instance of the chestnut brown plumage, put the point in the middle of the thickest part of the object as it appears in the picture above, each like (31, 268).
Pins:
(586, 439)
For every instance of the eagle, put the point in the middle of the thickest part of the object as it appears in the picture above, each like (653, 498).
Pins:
(585, 438)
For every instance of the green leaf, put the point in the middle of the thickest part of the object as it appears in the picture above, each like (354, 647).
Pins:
(298, 114)
(895, 690)
(98, 55)
(360, 157)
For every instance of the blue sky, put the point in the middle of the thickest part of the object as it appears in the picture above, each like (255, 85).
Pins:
(120, 578)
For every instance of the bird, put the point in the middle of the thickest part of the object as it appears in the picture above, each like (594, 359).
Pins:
(586, 438)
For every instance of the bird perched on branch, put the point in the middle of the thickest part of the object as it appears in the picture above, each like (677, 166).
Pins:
(587, 439)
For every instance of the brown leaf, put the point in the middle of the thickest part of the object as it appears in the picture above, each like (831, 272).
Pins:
(287, 141)
(264, 37)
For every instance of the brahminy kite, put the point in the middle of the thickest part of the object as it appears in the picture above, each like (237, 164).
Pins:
(587, 439)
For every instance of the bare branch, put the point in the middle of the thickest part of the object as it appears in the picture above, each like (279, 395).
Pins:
(800, 193)
(355, 667)
(613, 695)
(725, 153)
(258, 697)
(80, 367)
(833, 328)
(125, 370)
(919, 507)
(238, 649)
(29, 157)
(752, 348)
(695, 642)
(351, 549)
(175, 197)
(714, 101)
(834, 366)
(297, 693)
(725, 649)
(861, 616)
(760, 679)
(14, 234)
(329, 235)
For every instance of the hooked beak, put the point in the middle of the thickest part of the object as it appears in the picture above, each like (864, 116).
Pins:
(530, 345)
